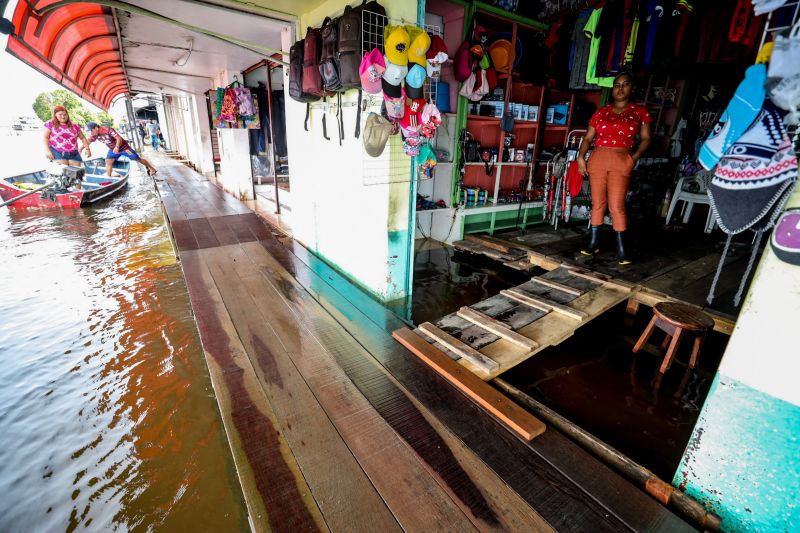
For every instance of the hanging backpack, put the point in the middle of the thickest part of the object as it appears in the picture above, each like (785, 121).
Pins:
(349, 48)
(296, 74)
(373, 21)
(312, 46)
(329, 62)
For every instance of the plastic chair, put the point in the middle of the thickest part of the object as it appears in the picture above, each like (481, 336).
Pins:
(698, 195)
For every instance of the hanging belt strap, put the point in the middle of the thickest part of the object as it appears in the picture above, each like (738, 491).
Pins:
(324, 123)
(340, 117)
(308, 113)
(358, 116)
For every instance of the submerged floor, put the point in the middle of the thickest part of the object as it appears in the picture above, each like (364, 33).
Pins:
(593, 378)
(335, 426)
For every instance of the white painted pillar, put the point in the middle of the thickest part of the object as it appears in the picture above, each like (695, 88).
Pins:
(206, 157)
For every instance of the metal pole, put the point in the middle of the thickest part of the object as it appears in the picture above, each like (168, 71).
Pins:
(272, 144)
(137, 141)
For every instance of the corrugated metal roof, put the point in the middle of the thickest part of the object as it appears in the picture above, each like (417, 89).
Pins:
(75, 45)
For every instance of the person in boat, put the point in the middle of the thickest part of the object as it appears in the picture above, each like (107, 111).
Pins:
(117, 146)
(613, 129)
(61, 137)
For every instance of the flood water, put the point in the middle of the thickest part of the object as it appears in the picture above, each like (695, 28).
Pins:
(107, 415)
(593, 378)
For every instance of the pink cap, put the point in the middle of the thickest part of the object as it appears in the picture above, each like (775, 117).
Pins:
(371, 71)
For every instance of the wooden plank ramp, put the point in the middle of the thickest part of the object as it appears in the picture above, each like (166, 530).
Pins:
(497, 334)
(517, 419)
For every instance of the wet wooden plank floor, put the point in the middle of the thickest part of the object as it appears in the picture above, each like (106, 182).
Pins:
(334, 426)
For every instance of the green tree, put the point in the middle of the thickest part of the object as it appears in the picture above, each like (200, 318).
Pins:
(45, 102)
(104, 119)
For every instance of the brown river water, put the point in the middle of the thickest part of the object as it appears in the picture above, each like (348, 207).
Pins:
(107, 415)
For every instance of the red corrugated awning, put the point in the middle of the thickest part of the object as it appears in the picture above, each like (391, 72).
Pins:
(75, 45)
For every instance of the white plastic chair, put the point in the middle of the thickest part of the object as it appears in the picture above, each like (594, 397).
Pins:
(698, 196)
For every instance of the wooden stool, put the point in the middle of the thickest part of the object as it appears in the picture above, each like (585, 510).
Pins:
(677, 320)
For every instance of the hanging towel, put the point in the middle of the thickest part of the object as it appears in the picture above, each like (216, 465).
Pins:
(228, 110)
(244, 102)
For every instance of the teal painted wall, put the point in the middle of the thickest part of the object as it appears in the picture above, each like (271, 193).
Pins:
(743, 459)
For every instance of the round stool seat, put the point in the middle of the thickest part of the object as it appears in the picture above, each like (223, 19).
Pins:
(683, 316)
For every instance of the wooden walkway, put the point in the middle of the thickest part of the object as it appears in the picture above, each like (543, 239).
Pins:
(334, 426)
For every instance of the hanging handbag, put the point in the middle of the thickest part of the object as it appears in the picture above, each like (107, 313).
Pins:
(785, 53)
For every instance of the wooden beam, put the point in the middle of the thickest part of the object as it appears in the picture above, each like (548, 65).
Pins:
(510, 414)
(498, 328)
(556, 285)
(489, 242)
(459, 348)
(601, 278)
(544, 304)
(542, 261)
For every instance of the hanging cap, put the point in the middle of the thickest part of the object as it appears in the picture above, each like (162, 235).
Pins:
(419, 47)
(394, 73)
(395, 91)
(412, 117)
(437, 46)
(415, 79)
(376, 133)
(371, 71)
(396, 42)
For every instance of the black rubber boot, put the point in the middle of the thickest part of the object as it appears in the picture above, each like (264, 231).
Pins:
(621, 256)
(594, 242)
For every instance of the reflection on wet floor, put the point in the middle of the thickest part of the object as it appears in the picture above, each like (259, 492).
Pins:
(443, 282)
(593, 379)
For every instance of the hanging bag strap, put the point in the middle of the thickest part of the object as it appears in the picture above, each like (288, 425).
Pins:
(324, 115)
(358, 116)
(308, 114)
(339, 119)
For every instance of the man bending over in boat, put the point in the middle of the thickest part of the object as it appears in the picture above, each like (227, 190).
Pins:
(117, 146)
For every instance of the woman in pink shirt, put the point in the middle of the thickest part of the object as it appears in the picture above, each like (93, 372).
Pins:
(61, 139)
(613, 129)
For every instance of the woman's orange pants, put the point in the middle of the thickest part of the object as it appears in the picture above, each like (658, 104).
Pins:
(609, 177)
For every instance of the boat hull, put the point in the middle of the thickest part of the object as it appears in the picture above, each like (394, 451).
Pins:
(96, 187)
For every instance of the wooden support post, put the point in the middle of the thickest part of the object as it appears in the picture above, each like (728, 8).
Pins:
(459, 348)
(544, 304)
(510, 414)
(498, 328)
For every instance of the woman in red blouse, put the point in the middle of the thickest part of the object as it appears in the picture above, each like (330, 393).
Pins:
(613, 129)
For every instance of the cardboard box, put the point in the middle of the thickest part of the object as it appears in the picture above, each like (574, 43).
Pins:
(533, 113)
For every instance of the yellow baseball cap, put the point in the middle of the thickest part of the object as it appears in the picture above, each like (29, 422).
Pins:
(395, 43)
(419, 47)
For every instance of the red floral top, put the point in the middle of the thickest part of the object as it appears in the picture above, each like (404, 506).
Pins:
(618, 130)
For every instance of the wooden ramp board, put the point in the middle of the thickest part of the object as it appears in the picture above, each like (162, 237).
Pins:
(492, 253)
(510, 327)
(506, 411)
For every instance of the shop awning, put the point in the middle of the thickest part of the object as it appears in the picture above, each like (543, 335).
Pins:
(75, 45)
